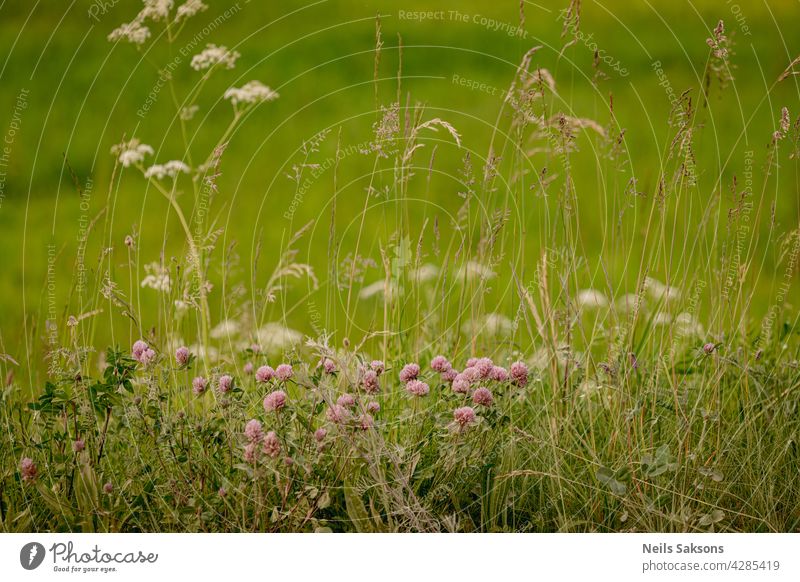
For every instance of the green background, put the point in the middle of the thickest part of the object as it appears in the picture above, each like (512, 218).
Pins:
(84, 93)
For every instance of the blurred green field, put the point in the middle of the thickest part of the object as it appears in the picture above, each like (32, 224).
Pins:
(84, 94)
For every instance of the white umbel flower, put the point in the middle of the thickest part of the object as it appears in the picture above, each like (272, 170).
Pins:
(189, 9)
(626, 303)
(687, 324)
(426, 272)
(134, 32)
(658, 290)
(591, 299)
(187, 113)
(171, 169)
(132, 152)
(276, 337)
(378, 289)
(251, 93)
(214, 55)
(225, 329)
(156, 9)
(207, 354)
(157, 278)
(475, 270)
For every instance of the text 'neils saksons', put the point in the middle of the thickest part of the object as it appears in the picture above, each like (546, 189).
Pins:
(664, 548)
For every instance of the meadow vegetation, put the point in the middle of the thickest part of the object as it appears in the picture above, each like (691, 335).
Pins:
(508, 329)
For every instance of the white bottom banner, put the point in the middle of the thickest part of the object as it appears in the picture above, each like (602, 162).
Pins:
(406, 557)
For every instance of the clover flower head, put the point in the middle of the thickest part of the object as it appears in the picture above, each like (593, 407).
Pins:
(271, 444)
(329, 366)
(143, 353)
(460, 384)
(484, 367)
(199, 385)
(409, 372)
(264, 374)
(284, 372)
(251, 452)
(483, 397)
(225, 383)
(417, 388)
(471, 373)
(253, 431)
(28, 469)
(519, 374)
(449, 375)
(377, 366)
(440, 364)
(370, 382)
(337, 414)
(275, 401)
(464, 416)
(499, 374)
(139, 347)
(182, 356)
(346, 400)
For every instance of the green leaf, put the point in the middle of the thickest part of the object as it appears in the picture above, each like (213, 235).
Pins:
(607, 477)
(356, 510)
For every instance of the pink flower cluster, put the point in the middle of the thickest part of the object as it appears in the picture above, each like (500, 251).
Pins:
(264, 374)
(370, 382)
(417, 388)
(282, 373)
(409, 372)
(28, 469)
(225, 384)
(483, 397)
(481, 369)
(143, 353)
(329, 366)
(346, 400)
(464, 416)
(253, 431)
(519, 374)
(275, 401)
(270, 444)
(337, 414)
(199, 385)
(440, 364)
(182, 356)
